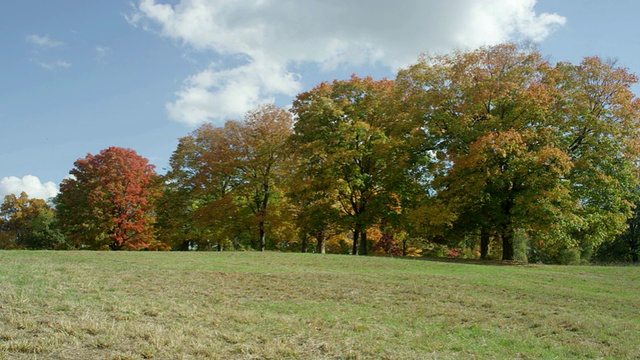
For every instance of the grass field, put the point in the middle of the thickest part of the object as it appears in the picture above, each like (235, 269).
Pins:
(142, 305)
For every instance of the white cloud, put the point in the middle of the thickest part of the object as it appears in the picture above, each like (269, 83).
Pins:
(215, 95)
(59, 64)
(274, 36)
(29, 184)
(101, 53)
(43, 41)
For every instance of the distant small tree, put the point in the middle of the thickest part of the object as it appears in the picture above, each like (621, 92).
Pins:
(28, 223)
(387, 245)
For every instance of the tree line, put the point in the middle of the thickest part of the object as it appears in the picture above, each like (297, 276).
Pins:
(494, 153)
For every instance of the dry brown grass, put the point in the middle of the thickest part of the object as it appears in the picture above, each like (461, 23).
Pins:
(108, 305)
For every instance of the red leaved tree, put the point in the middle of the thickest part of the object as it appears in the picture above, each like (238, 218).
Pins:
(107, 202)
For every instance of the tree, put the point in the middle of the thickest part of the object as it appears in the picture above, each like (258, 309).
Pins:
(108, 201)
(199, 183)
(523, 145)
(350, 137)
(317, 214)
(174, 222)
(601, 131)
(626, 246)
(261, 158)
(28, 223)
(227, 180)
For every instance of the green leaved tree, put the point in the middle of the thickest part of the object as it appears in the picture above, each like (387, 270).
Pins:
(351, 138)
(28, 223)
(226, 182)
(522, 145)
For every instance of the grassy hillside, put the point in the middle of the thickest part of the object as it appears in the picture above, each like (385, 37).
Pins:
(126, 305)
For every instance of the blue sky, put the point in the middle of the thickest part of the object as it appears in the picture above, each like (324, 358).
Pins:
(79, 76)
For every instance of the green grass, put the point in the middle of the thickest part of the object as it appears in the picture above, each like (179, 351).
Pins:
(126, 305)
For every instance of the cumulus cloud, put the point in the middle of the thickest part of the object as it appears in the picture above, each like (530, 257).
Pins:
(222, 93)
(29, 184)
(276, 36)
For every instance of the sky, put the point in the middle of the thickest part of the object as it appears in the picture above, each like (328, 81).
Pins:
(78, 76)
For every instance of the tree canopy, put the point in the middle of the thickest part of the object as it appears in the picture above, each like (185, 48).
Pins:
(28, 223)
(228, 179)
(524, 145)
(107, 202)
(484, 153)
(351, 138)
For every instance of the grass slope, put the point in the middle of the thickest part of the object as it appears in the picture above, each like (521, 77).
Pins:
(126, 305)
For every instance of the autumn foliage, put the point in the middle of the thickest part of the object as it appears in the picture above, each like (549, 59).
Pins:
(28, 223)
(350, 139)
(493, 153)
(224, 188)
(107, 201)
(522, 146)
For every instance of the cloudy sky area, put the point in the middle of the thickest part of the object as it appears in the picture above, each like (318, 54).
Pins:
(78, 76)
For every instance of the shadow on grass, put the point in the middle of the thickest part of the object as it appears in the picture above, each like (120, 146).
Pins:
(465, 261)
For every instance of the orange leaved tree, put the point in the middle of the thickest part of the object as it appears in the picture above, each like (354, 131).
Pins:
(107, 202)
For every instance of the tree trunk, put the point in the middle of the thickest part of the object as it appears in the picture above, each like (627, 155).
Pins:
(484, 243)
(507, 231)
(635, 250)
(320, 245)
(633, 243)
(363, 243)
(404, 246)
(185, 245)
(507, 244)
(262, 212)
(354, 250)
(303, 243)
(262, 236)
